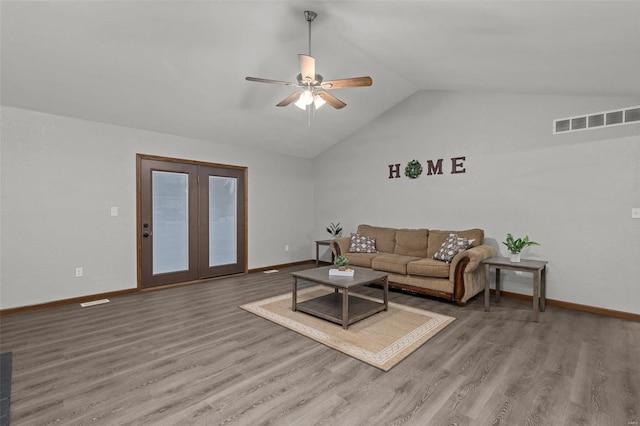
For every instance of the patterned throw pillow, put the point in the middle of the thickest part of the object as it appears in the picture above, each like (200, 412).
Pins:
(452, 246)
(362, 244)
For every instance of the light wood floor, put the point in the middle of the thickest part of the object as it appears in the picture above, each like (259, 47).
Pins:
(189, 355)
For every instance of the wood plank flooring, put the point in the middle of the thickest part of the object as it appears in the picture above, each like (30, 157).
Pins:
(190, 356)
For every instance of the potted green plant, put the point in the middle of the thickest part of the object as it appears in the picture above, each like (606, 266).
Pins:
(334, 229)
(341, 262)
(515, 246)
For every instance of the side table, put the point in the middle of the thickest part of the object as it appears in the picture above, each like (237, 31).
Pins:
(537, 267)
(322, 243)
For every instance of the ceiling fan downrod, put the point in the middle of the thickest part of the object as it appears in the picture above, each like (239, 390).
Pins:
(310, 15)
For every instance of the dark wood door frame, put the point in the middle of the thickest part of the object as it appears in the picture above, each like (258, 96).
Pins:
(242, 226)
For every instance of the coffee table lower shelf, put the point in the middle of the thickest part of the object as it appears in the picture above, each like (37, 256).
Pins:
(329, 307)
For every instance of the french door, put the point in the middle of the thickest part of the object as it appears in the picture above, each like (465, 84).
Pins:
(191, 220)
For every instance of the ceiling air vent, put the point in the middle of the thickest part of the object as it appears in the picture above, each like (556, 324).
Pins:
(631, 115)
(562, 126)
(596, 120)
(614, 117)
(578, 123)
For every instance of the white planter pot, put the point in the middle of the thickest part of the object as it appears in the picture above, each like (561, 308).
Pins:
(339, 273)
(514, 257)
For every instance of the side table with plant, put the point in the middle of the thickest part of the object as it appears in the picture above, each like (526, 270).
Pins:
(515, 246)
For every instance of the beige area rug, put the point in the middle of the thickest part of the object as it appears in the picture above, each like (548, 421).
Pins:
(382, 340)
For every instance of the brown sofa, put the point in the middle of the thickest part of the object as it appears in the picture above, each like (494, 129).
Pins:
(407, 255)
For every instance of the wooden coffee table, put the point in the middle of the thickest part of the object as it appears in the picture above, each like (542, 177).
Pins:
(340, 307)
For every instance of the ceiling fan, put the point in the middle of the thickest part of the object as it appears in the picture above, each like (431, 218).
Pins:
(314, 88)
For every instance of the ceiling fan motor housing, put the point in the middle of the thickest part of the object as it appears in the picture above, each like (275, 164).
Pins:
(302, 82)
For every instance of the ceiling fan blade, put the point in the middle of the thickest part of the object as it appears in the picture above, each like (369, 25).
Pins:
(331, 100)
(292, 98)
(347, 82)
(264, 80)
(307, 67)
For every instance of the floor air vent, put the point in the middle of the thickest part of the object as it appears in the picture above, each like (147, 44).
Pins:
(596, 120)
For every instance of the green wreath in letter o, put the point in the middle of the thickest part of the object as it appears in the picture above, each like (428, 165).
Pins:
(413, 169)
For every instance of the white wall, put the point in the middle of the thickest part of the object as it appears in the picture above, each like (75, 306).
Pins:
(573, 193)
(60, 176)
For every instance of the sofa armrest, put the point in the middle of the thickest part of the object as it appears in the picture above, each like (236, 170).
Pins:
(467, 275)
(340, 246)
(476, 255)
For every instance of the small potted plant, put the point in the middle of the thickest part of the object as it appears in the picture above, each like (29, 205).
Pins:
(334, 229)
(341, 262)
(515, 246)
(343, 270)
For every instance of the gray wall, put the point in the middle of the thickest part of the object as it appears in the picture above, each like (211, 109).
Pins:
(573, 193)
(61, 176)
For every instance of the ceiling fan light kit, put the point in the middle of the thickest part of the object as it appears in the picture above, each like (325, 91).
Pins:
(307, 98)
(314, 89)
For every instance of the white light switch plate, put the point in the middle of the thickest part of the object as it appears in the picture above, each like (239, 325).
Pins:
(635, 213)
(114, 211)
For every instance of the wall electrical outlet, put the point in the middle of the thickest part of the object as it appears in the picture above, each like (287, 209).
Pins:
(79, 272)
(286, 248)
(635, 213)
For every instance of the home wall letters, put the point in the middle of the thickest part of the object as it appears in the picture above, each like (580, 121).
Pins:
(414, 169)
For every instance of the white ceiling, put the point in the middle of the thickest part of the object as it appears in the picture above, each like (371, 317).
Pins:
(178, 67)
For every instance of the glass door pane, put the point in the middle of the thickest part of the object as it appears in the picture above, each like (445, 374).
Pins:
(170, 223)
(223, 202)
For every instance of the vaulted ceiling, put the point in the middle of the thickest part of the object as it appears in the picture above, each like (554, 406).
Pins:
(178, 67)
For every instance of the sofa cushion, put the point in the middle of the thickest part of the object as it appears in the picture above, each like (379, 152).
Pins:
(385, 237)
(411, 242)
(392, 263)
(360, 259)
(436, 238)
(429, 268)
(362, 244)
(453, 245)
